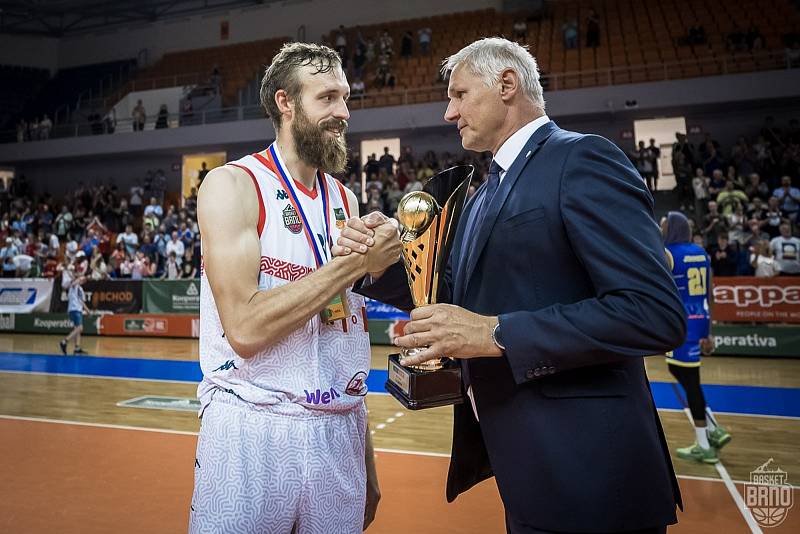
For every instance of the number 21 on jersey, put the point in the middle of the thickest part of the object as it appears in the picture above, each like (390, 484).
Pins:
(697, 280)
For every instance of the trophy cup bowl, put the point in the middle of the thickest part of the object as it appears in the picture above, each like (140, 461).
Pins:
(429, 220)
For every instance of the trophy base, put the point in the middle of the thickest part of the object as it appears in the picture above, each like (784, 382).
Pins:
(417, 389)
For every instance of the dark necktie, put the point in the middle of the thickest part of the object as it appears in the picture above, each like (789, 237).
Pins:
(492, 182)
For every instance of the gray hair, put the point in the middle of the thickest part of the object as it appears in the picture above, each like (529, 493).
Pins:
(488, 58)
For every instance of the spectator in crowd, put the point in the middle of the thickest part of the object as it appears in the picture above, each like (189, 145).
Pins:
(386, 44)
(162, 120)
(129, 239)
(592, 29)
(406, 44)
(762, 261)
(570, 32)
(755, 188)
(697, 35)
(788, 198)
(424, 36)
(340, 41)
(201, 174)
(45, 127)
(754, 39)
(700, 184)
(136, 196)
(188, 269)
(154, 208)
(357, 89)
(754, 235)
(736, 224)
(63, 222)
(172, 270)
(786, 249)
(387, 161)
(139, 116)
(359, 60)
(643, 159)
(714, 224)
(717, 182)
(141, 266)
(215, 80)
(774, 217)
(97, 265)
(175, 247)
(520, 31)
(730, 197)
(655, 154)
(724, 261)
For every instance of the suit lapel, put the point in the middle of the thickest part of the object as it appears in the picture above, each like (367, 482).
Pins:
(509, 180)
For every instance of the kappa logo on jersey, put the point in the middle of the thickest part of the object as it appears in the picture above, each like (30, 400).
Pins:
(282, 195)
(291, 220)
(340, 218)
(357, 387)
(321, 397)
(226, 366)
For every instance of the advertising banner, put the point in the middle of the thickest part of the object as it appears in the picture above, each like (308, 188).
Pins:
(171, 296)
(384, 312)
(45, 323)
(25, 295)
(756, 340)
(116, 296)
(756, 300)
(150, 325)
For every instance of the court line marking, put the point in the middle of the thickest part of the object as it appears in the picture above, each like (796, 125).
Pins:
(729, 484)
(737, 414)
(190, 433)
(371, 393)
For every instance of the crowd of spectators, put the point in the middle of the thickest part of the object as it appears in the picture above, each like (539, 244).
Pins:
(388, 178)
(743, 201)
(99, 231)
(375, 54)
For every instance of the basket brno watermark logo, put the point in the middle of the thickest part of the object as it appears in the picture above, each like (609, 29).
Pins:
(769, 494)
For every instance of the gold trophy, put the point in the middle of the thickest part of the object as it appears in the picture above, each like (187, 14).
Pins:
(429, 220)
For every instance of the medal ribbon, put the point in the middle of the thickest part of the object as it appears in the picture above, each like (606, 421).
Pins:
(287, 184)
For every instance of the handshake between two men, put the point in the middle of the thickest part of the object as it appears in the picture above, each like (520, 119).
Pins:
(442, 329)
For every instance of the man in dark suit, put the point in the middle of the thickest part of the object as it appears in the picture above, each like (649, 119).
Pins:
(559, 288)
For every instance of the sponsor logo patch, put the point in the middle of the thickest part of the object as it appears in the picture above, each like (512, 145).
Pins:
(357, 387)
(281, 195)
(291, 220)
(340, 218)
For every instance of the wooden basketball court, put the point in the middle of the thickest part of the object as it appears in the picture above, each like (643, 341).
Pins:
(76, 459)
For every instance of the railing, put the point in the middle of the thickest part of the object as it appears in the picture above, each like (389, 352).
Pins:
(551, 82)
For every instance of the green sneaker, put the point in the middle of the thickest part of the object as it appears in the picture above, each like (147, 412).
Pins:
(698, 454)
(719, 437)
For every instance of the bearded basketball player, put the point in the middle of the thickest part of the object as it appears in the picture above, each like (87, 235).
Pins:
(284, 347)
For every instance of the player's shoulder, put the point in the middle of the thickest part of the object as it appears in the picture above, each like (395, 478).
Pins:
(349, 197)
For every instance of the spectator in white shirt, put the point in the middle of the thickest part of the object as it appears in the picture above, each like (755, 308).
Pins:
(154, 208)
(762, 261)
(130, 239)
(786, 249)
(175, 246)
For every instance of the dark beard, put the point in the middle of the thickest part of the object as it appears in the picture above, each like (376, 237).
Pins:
(316, 149)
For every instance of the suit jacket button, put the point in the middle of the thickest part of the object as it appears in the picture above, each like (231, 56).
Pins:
(529, 374)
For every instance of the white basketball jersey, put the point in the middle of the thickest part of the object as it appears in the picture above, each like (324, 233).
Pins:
(319, 366)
